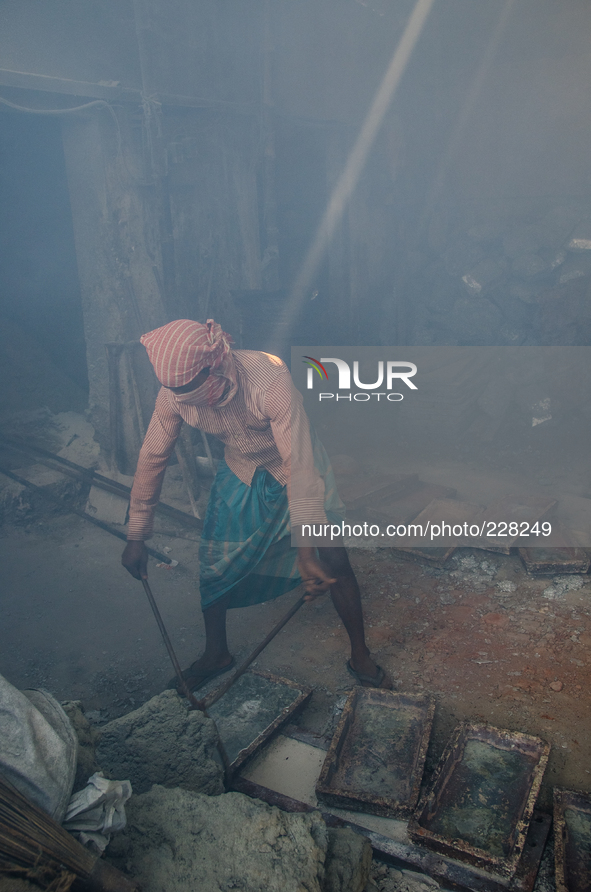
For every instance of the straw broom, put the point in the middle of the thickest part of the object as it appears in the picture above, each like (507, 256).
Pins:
(33, 844)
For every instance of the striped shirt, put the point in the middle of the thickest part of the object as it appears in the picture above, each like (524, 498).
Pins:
(263, 426)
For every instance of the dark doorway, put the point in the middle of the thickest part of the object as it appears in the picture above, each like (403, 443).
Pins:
(39, 288)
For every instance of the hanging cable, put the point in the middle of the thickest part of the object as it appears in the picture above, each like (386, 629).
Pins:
(96, 103)
(56, 111)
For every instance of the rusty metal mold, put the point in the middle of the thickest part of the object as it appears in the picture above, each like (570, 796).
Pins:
(256, 706)
(404, 508)
(375, 761)
(436, 556)
(555, 561)
(512, 512)
(572, 840)
(370, 491)
(482, 797)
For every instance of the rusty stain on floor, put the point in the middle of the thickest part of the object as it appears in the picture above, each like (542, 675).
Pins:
(490, 643)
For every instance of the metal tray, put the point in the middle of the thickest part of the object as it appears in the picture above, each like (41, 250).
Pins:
(437, 557)
(523, 511)
(363, 492)
(555, 561)
(406, 507)
(437, 550)
(256, 706)
(375, 761)
(572, 841)
(482, 797)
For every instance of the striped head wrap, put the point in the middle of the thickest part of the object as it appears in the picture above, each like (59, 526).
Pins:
(180, 350)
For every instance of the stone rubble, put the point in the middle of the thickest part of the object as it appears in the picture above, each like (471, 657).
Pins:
(68, 435)
(178, 840)
(561, 585)
(87, 735)
(385, 878)
(507, 280)
(162, 742)
(348, 861)
(175, 833)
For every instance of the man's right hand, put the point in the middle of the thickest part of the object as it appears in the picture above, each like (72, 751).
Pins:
(135, 559)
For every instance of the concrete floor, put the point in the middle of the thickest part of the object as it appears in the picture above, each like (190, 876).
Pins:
(485, 639)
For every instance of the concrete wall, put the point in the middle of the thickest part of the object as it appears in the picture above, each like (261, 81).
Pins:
(529, 124)
(117, 245)
(174, 194)
(530, 128)
(77, 39)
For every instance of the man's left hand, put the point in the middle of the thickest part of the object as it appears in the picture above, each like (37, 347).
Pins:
(315, 578)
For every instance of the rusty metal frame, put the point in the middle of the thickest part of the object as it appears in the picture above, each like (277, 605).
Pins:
(580, 802)
(386, 805)
(451, 758)
(539, 561)
(453, 874)
(286, 714)
(438, 555)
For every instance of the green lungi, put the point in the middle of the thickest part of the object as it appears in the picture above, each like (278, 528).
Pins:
(246, 548)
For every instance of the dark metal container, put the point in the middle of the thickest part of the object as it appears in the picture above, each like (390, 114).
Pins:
(555, 561)
(256, 706)
(572, 840)
(482, 797)
(376, 758)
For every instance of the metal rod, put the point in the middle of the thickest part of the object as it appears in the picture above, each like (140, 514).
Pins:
(118, 534)
(93, 520)
(71, 469)
(113, 357)
(212, 698)
(173, 658)
(195, 703)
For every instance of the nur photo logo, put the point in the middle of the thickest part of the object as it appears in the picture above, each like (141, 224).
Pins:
(388, 372)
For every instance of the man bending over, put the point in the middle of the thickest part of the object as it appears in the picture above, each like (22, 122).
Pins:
(247, 400)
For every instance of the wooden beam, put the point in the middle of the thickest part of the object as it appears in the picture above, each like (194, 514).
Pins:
(111, 91)
(27, 81)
